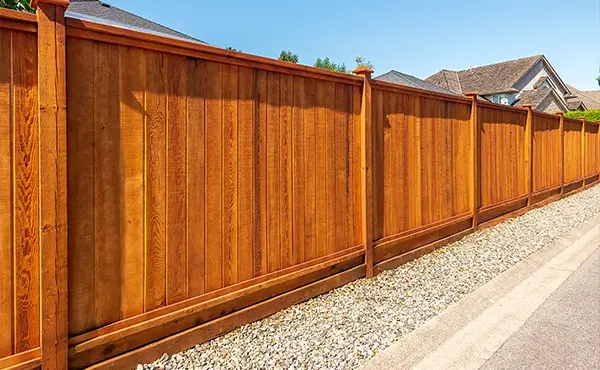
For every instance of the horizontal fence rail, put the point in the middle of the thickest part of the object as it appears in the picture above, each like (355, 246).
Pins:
(203, 189)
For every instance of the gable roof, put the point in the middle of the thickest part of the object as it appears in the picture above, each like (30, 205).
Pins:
(534, 97)
(411, 81)
(538, 98)
(493, 78)
(591, 98)
(98, 11)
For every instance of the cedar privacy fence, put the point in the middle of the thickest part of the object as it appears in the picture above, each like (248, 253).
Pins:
(204, 189)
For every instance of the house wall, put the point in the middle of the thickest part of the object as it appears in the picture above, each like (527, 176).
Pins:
(538, 71)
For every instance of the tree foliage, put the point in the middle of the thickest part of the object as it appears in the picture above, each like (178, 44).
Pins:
(331, 66)
(232, 49)
(361, 62)
(288, 56)
(589, 115)
(21, 5)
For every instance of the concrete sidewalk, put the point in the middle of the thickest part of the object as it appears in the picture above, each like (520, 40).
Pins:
(543, 313)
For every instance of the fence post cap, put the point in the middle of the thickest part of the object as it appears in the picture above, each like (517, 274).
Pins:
(527, 106)
(471, 93)
(362, 71)
(559, 113)
(64, 3)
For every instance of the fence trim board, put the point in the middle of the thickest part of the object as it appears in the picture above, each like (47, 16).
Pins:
(119, 341)
(18, 16)
(404, 244)
(124, 36)
(401, 259)
(508, 108)
(210, 330)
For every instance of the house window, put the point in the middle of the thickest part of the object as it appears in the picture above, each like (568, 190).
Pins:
(501, 99)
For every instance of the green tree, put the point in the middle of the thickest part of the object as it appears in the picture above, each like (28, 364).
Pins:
(288, 56)
(232, 49)
(21, 5)
(331, 66)
(361, 62)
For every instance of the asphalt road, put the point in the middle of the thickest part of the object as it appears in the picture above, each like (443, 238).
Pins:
(564, 332)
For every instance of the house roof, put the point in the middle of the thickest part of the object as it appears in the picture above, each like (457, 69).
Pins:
(590, 98)
(534, 97)
(493, 78)
(411, 81)
(98, 11)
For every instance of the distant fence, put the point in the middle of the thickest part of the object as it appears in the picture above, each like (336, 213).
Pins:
(204, 189)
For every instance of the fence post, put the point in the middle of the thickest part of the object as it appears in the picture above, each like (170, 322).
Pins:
(475, 139)
(366, 165)
(562, 152)
(53, 181)
(583, 151)
(529, 151)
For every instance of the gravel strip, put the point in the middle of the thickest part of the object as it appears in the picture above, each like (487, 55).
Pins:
(343, 328)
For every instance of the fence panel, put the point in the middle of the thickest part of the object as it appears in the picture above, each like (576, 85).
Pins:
(503, 164)
(547, 157)
(591, 151)
(19, 192)
(573, 154)
(192, 178)
(421, 173)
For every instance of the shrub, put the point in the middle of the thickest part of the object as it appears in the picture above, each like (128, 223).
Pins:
(589, 115)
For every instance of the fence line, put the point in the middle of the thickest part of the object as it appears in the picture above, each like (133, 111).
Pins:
(206, 188)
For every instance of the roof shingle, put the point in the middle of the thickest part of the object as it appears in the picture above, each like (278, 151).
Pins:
(106, 13)
(490, 79)
(411, 81)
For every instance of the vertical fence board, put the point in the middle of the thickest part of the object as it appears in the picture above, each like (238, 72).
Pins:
(230, 175)
(80, 171)
(132, 181)
(246, 170)
(273, 173)
(107, 183)
(310, 168)
(156, 162)
(299, 177)
(26, 167)
(259, 244)
(330, 102)
(176, 180)
(214, 175)
(286, 171)
(321, 168)
(196, 95)
(6, 197)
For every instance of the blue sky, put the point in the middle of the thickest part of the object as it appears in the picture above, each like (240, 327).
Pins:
(418, 37)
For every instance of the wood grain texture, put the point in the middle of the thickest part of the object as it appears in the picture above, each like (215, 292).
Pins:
(547, 160)
(591, 149)
(419, 173)
(214, 176)
(299, 176)
(176, 180)
(80, 184)
(196, 172)
(6, 196)
(26, 188)
(230, 175)
(502, 155)
(273, 172)
(107, 185)
(572, 150)
(156, 162)
(132, 187)
(246, 169)
(53, 185)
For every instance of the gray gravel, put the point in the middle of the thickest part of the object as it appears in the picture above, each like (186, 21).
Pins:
(343, 328)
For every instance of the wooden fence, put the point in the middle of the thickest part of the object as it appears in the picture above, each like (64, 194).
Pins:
(203, 189)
